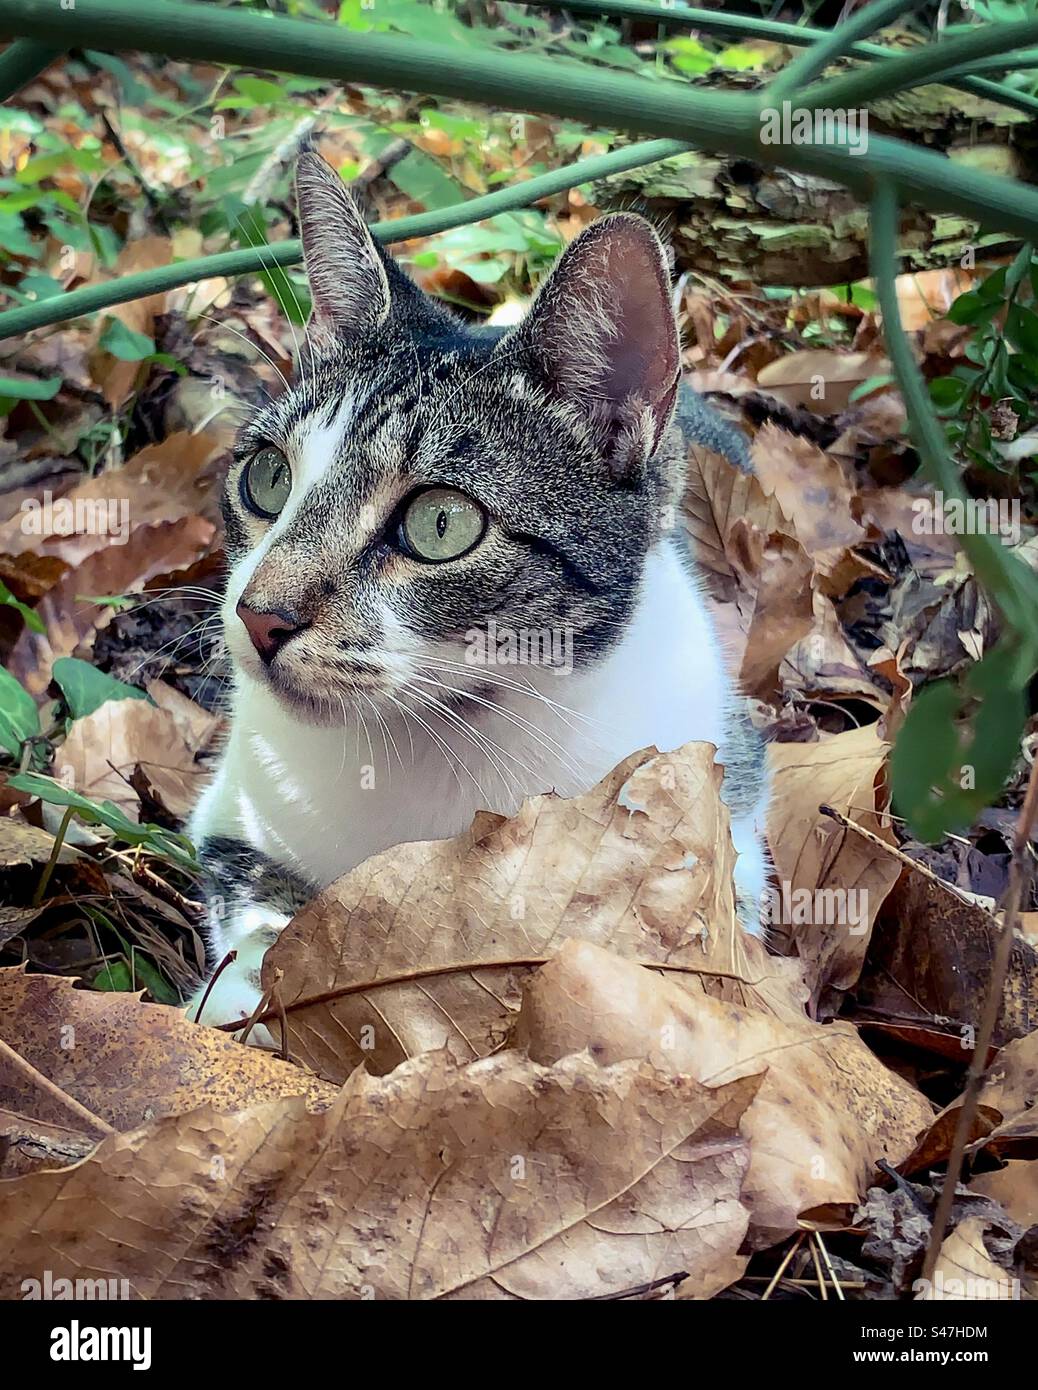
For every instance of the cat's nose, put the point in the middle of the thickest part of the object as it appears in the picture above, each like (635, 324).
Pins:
(269, 630)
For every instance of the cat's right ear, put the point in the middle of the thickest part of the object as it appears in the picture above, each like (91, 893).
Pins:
(348, 281)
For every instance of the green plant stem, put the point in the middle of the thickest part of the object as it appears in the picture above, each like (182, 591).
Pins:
(1011, 584)
(814, 60)
(21, 62)
(772, 30)
(929, 63)
(92, 298)
(59, 840)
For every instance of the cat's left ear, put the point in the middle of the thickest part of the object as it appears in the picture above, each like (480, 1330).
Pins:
(348, 281)
(602, 330)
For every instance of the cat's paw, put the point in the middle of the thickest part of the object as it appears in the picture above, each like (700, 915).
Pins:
(250, 930)
(233, 996)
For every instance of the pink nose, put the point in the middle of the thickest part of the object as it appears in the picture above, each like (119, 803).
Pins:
(268, 631)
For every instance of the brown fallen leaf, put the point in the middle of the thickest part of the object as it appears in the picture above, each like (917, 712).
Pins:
(501, 1179)
(717, 497)
(821, 378)
(812, 489)
(22, 844)
(814, 857)
(162, 483)
(27, 1144)
(1011, 1087)
(125, 1062)
(642, 864)
(827, 1108)
(1015, 1188)
(116, 377)
(72, 621)
(759, 576)
(931, 955)
(775, 602)
(103, 749)
(965, 1270)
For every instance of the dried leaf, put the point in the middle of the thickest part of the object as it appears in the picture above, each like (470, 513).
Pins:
(501, 1179)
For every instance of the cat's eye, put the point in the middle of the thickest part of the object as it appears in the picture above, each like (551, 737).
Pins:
(441, 524)
(266, 481)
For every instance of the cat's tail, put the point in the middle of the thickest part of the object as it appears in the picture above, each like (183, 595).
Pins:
(702, 424)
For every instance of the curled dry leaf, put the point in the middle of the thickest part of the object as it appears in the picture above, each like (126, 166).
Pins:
(814, 856)
(126, 1062)
(27, 1144)
(72, 620)
(827, 1109)
(501, 1179)
(757, 570)
(642, 864)
(162, 483)
(104, 748)
(931, 955)
(812, 489)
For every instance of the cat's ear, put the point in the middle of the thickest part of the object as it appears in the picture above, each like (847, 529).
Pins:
(602, 330)
(348, 281)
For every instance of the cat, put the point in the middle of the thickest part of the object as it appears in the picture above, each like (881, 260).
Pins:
(424, 498)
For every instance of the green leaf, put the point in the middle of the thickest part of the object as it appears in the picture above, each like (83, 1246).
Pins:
(125, 343)
(970, 308)
(1022, 328)
(177, 848)
(259, 90)
(870, 384)
(19, 717)
(958, 745)
(739, 58)
(86, 689)
(32, 619)
(157, 986)
(28, 388)
(114, 977)
(947, 392)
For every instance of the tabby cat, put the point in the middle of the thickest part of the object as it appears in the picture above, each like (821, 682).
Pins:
(456, 578)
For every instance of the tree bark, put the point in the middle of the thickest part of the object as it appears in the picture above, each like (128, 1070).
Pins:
(743, 222)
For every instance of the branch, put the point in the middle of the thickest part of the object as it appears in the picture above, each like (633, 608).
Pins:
(931, 62)
(814, 61)
(749, 27)
(23, 61)
(92, 298)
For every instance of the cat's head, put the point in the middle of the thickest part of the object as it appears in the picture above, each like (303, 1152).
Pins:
(422, 481)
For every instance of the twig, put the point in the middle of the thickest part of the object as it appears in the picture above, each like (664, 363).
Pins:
(992, 1009)
(783, 1266)
(55, 1091)
(228, 959)
(393, 153)
(263, 1003)
(818, 1269)
(675, 1279)
(908, 1188)
(829, 1266)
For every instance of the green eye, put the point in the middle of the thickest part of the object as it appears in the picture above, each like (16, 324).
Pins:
(442, 524)
(266, 482)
